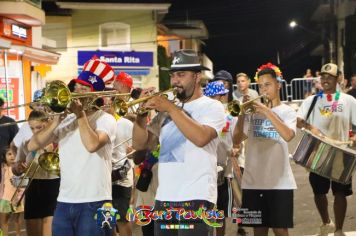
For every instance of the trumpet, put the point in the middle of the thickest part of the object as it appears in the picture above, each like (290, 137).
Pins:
(121, 107)
(237, 108)
(49, 161)
(57, 96)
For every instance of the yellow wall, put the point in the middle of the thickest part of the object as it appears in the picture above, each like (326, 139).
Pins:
(84, 35)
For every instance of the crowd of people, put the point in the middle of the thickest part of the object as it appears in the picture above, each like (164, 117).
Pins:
(170, 154)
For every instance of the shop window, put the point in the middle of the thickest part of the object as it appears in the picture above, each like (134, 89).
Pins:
(115, 35)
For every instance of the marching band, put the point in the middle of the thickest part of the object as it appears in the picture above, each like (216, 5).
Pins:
(87, 145)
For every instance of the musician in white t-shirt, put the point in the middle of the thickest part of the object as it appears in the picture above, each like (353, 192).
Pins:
(268, 181)
(122, 187)
(188, 139)
(332, 116)
(85, 143)
(217, 91)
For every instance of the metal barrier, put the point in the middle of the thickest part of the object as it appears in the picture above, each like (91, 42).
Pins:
(295, 91)
(284, 94)
(302, 87)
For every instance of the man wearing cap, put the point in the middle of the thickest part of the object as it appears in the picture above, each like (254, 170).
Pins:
(329, 108)
(85, 140)
(123, 83)
(226, 78)
(188, 137)
(243, 83)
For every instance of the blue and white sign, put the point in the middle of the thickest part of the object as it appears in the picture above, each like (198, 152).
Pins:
(115, 58)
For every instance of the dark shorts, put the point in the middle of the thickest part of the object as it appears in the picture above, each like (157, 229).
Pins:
(182, 227)
(225, 198)
(41, 198)
(321, 185)
(121, 200)
(267, 208)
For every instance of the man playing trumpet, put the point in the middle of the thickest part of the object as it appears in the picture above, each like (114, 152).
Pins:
(268, 181)
(188, 139)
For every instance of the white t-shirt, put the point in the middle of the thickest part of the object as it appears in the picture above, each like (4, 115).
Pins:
(24, 134)
(123, 132)
(85, 176)
(187, 172)
(225, 144)
(337, 125)
(267, 163)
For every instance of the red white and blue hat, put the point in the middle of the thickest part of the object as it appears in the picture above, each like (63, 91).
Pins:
(215, 88)
(96, 74)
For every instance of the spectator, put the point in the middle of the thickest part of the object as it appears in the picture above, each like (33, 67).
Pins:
(352, 90)
(7, 133)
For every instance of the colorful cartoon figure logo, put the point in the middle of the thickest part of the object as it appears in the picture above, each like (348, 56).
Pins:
(106, 216)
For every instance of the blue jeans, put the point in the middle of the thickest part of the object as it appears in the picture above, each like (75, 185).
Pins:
(77, 219)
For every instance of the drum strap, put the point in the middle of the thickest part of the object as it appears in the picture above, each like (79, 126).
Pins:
(312, 105)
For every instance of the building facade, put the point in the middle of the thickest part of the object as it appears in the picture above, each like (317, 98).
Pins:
(23, 62)
(124, 35)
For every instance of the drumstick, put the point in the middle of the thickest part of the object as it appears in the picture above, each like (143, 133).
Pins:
(331, 140)
(122, 142)
(337, 142)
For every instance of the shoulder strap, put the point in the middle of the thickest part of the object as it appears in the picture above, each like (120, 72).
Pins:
(312, 105)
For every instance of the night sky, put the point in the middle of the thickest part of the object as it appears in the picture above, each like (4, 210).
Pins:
(243, 34)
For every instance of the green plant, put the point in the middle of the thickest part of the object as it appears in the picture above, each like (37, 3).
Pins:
(163, 61)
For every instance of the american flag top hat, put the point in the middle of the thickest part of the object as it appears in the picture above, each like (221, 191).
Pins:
(96, 74)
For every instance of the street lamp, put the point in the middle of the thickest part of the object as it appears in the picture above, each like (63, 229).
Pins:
(293, 24)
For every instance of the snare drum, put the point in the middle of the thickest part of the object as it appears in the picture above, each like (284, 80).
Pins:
(325, 158)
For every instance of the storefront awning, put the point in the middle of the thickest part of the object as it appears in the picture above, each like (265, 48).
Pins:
(37, 55)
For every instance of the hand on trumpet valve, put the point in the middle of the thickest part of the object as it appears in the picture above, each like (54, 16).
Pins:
(260, 108)
(159, 103)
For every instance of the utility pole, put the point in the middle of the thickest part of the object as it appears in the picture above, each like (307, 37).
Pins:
(332, 32)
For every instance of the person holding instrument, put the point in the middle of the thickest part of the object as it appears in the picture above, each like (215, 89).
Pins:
(188, 134)
(85, 143)
(329, 108)
(268, 181)
(41, 194)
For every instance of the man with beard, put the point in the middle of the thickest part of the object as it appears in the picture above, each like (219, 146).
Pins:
(188, 138)
(329, 108)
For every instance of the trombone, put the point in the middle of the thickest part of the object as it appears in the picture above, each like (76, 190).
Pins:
(49, 161)
(57, 96)
(121, 107)
(237, 108)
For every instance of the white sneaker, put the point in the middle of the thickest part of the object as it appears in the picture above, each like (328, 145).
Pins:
(339, 233)
(325, 229)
